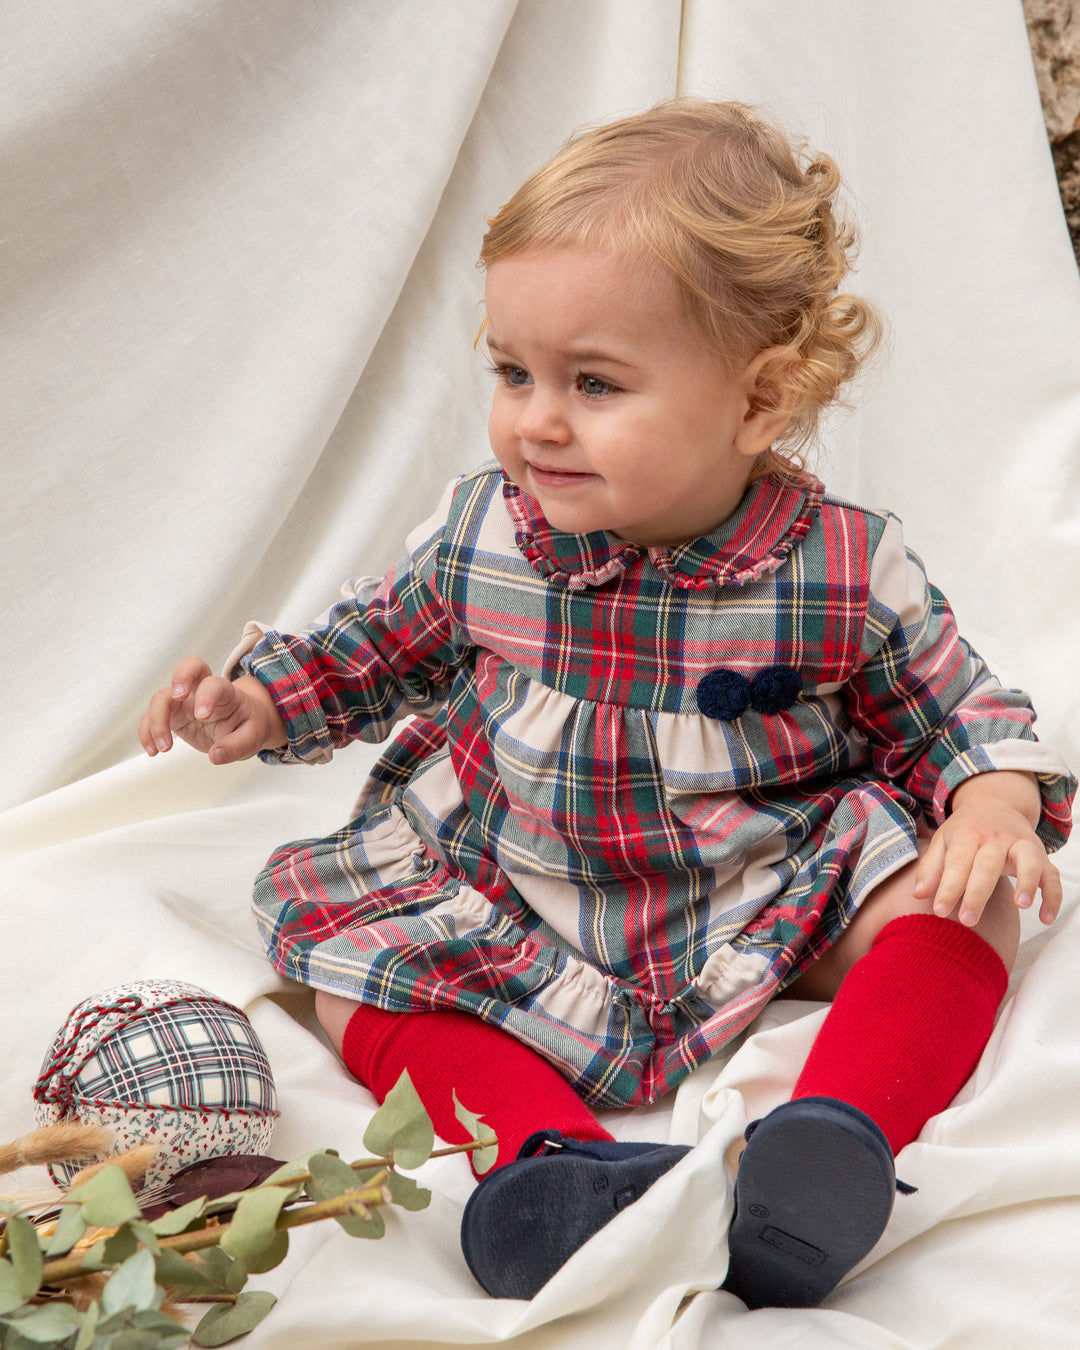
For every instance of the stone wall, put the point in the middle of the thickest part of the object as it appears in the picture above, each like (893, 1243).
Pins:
(1054, 30)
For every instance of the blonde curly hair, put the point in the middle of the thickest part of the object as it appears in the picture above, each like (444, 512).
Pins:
(746, 223)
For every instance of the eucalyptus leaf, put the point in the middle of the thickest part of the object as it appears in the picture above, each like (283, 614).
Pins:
(69, 1229)
(145, 1234)
(218, 1267)
(483, 1159)
(132, 1339)
(219, 1203)
(226, 1322)
(106, 1198)
(270, 1256)
(372, 1227)
(401, 1126)
(86, 1337)
(227, 1201)
(49, 1323)
(24, 1253)
(142, 1330)
(168, 1331)
(288, 1171)
(131, 1285)
(331, 1177)
(117, 1248)
(251, 1229)
(110, 1251)
(94, 1257)
(406, 1193)
(173, 1270)
(10, 1297)
(137, 1323)
(236, 1276)
(175, 1221)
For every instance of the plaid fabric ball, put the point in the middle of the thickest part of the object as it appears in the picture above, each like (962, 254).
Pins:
(160, 1061)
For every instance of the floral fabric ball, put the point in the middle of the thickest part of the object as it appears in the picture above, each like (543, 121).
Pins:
(160, 1061)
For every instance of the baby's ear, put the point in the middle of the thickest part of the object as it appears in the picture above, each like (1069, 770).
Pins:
(770, 400)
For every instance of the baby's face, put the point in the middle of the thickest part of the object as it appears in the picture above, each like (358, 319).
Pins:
(609, 409)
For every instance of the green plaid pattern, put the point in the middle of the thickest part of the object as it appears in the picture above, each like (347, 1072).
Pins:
(562, 842)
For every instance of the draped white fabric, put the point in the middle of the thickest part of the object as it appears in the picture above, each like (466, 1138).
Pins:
(238, 306)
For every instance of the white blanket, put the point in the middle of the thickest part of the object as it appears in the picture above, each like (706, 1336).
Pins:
(238, 313)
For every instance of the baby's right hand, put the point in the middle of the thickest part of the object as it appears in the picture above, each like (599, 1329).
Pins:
(229, 720)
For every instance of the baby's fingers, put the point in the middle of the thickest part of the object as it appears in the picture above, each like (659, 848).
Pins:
(166, 712)
(1035, 872)
(945, 871)
(187, 675)
(1052, 899)
(156, 726)
(233, 728)
(984, 873)
(961, 873)
(214, 700)
(952, 884)
(231, 746)
(929, 869)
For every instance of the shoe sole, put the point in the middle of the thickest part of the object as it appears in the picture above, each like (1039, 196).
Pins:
(814, 1193)
(525, 1221)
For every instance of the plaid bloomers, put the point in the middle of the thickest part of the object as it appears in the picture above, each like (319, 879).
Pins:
(643, 789)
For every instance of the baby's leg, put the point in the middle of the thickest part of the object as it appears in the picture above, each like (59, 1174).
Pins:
(894, 898)
(514, 1089)
(559, 1176)
(914, 998)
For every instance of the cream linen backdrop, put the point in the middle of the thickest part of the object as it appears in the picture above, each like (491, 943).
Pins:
(238, 306)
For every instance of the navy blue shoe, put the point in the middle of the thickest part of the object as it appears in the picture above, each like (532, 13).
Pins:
(815, 1189)
(525, 1220)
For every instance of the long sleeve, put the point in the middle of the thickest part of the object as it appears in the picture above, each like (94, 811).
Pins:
(387, 649)
(932, 712)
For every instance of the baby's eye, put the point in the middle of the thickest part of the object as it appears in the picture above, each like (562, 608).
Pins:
(514, 376)
(594, 387)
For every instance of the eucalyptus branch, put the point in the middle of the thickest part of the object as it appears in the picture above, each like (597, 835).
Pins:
(298, 1178)
(248, 1225)
(350, 1202)
(488, 1141)
(358, 1201)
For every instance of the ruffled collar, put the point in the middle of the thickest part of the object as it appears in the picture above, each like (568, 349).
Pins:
(773, 516)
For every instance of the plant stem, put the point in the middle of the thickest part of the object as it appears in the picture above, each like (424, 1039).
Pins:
(350, 1202)
(488, 1142)
(357, 1166)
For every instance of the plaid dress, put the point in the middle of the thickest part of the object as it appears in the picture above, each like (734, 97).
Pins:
(643, 789)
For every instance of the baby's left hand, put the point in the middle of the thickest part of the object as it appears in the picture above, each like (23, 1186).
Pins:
(989, 834)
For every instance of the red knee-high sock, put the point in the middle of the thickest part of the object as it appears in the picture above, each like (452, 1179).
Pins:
(513, 1088)
(908, 1025)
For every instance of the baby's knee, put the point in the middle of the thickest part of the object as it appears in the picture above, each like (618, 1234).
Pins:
(334, 1013)
(999, 923)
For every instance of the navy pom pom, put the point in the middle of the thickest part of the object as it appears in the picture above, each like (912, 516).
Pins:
(723, 695)
(774, 689)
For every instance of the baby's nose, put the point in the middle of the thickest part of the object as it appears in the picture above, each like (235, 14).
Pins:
(542, 419)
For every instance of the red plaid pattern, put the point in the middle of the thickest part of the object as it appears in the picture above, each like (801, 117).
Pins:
(562, 842)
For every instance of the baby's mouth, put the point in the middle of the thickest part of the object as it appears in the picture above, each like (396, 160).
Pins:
(550, 476)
